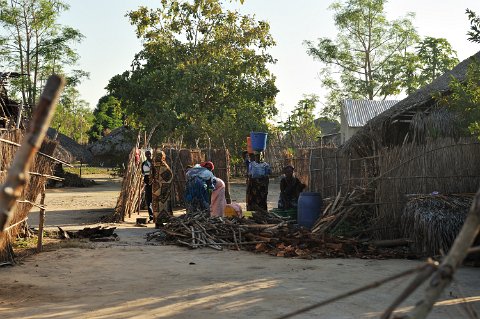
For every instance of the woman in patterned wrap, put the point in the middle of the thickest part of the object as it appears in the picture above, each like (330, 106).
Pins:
(161, 189)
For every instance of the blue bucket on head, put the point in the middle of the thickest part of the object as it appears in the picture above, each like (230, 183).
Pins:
(259, 141)
(309, 209)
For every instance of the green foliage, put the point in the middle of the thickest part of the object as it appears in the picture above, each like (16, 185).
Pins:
(34, 44)
(362, 52)
(108, 115)
(73, 117)
(300, 126)
(202, 74)
(436, 57)
(411, 70)
(465, 99)
(474, 33)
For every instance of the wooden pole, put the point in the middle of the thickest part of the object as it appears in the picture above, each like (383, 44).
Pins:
(16, 179)
(41, 221)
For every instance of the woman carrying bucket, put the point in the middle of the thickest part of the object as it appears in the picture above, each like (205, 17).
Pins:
(258, 175)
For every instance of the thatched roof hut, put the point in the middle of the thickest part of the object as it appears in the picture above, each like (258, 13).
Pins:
(406, 120)
(68, 149)
(113, 149)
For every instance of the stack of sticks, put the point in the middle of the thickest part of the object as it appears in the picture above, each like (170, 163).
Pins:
(281, 239)
(352, 206)
(197, 230)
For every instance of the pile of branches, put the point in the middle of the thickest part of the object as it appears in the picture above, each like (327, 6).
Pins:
(347, 215)
(433, 221)
(99, 233)
(282, 239)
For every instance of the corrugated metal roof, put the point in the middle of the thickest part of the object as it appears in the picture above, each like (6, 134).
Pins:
(359, 112)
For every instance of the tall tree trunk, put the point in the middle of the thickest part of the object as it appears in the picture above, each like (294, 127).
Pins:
(22, 69)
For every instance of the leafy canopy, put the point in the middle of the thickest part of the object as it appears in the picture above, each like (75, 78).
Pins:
(300, 128)
(202, 74)
(108, 115)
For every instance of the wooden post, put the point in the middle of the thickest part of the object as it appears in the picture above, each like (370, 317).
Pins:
(41, 220)
(80, 169)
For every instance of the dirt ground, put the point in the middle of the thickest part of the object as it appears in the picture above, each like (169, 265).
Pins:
(133, 279)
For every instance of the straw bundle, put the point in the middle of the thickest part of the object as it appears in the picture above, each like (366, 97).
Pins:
(433, 221)
(128, 200)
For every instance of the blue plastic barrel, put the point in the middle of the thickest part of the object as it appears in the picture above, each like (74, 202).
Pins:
(309, 209)
(259, 141)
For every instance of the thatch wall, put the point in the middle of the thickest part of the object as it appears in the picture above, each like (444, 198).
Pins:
(446, 166)
(32, 189)
(328, 171)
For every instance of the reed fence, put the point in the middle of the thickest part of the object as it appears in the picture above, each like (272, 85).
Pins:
(444, 166)
(41, 167)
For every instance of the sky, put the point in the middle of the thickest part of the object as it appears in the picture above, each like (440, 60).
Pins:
(110, 42)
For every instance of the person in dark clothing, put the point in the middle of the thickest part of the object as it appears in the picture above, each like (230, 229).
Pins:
(257, 184)
(290, 189)
(148, 172)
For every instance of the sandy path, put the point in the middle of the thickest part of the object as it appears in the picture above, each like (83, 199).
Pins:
(129, 279)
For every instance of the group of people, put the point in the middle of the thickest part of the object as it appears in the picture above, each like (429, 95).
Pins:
(258, 181)
(204, 192)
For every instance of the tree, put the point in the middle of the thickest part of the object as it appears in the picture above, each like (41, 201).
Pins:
(464, 99)
(202, 73)
(474, 33)
(365, 45)
(108, 115)
(34, 43)
(436, 57)
(300, 126)
(409, 70)
(73, 116)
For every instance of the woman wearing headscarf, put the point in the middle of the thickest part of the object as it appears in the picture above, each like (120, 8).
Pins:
(290, 189)
(200, 184)
(161, 189)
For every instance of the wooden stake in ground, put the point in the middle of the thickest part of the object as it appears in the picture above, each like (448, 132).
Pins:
(17, 174)
(41, 221)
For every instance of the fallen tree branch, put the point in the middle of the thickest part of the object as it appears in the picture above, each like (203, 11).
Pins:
(12, 189)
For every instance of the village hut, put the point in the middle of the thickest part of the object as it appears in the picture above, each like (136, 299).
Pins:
(419, 166)
(113, 149)
(409, 119)
(354, 114)
(69, 150)
(8, 107)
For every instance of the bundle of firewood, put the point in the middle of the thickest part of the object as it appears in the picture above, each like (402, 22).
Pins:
(282, 239)
(353, 207)
(198, 230)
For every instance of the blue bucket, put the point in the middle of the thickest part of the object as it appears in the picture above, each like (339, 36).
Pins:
(309, 209)
(259, 141)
